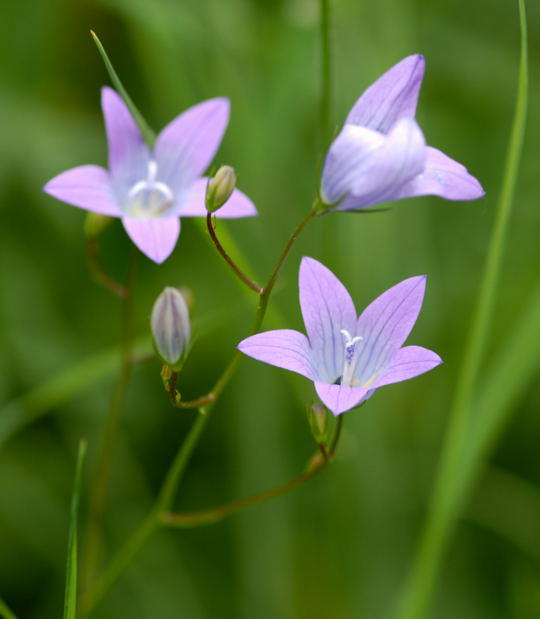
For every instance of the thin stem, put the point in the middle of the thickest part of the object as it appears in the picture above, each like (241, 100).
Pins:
(209, 516)
(130, 549)
(448, 493)
(99, 272)
(5, 611)
(210, 224)
(326, 74)
(100, 487)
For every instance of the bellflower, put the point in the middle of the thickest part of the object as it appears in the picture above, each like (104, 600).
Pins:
(380, 154)
(150, 189)
(347, 358)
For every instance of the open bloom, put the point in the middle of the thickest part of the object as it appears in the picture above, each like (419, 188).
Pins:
(347, 358)
(380, 154)
(150, 189)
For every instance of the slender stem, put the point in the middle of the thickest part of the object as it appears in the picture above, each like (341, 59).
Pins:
(448, 493)
(100, 487)
(197, 403)
(99, 272)
(211, 226)
(130, 549)
(5, 611)
(209, 516)
(326, 74)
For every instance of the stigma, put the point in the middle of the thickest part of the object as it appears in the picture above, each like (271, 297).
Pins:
(350, 356)
(149, 198)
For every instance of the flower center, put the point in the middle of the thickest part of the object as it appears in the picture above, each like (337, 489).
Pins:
(149, 198)
(349, 361)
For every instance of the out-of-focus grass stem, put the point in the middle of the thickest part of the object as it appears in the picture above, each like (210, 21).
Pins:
(448, 493)
(5, 611)
(326, 75)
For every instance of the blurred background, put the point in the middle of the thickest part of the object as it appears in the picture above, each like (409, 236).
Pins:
(342, 545)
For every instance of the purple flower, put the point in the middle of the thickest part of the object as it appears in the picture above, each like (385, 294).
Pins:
(150, 189)
(347, 358)
(380, 154)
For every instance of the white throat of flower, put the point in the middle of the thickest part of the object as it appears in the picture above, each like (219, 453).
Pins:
(350, 357)
(149, 198)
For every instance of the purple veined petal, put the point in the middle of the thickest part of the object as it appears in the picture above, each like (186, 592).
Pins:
(392, 97)
(187, 145)
(284, 348)
(407, 363)
(348, 160)
(327, 309)
(192, 204)
(87, 187)
(128, 153)
(397, 161)
(154, 237)
(444, 177)
(384, 325)
(340, 398)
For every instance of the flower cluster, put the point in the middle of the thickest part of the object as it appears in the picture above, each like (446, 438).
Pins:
(379, 155)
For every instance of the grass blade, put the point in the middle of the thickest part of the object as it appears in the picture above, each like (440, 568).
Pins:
(448, 493)
(70, 597)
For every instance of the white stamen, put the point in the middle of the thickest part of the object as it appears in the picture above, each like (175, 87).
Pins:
(349, 357)
(149, 198)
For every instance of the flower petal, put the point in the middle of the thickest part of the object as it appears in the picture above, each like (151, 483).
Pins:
(283, 348)
(407, 363)
(340, 398)
(238, 205)
(327, 308)
(384, 325)
(87, 187)
(187, 145)
(128, 152)
(392, 97)
(154, 237)
(443, 177)
(382, 176)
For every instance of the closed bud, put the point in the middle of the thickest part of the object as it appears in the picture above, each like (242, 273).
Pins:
(171, 328)
(318, 418)
(220, 188)
(94, 224)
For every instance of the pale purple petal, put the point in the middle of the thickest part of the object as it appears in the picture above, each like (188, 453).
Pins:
(392, 97)
(443, 177)
(284, 348)
(340, 398)
(154, 237)
(128, 152)
(381, 177)
(187, 145)
(348, 161)
(384, 325)
(192, 204)
(87, 187)
(327, 308)
(407, 363)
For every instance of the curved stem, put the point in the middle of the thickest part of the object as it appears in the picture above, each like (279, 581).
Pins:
(99, 272)
(100, 486)
(210, 224)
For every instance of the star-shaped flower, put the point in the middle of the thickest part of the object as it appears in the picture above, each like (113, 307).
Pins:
(380, 154)
(150, 189)
(347, 358)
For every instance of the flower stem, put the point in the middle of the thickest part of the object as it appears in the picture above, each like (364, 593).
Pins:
(210, 224)
(326, 75)
(448, 494)
(99, 272)
(5, 611)
(127, 553)
(100, 486)
(316, 464)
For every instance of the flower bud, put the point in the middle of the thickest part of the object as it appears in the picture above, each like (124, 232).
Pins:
(94, 224)
(220, 188)
(318, 418)
(171, 328)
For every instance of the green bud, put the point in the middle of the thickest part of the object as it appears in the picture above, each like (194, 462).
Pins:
(94, 224)
(319, 422)
(220, 188)
(171, 327)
